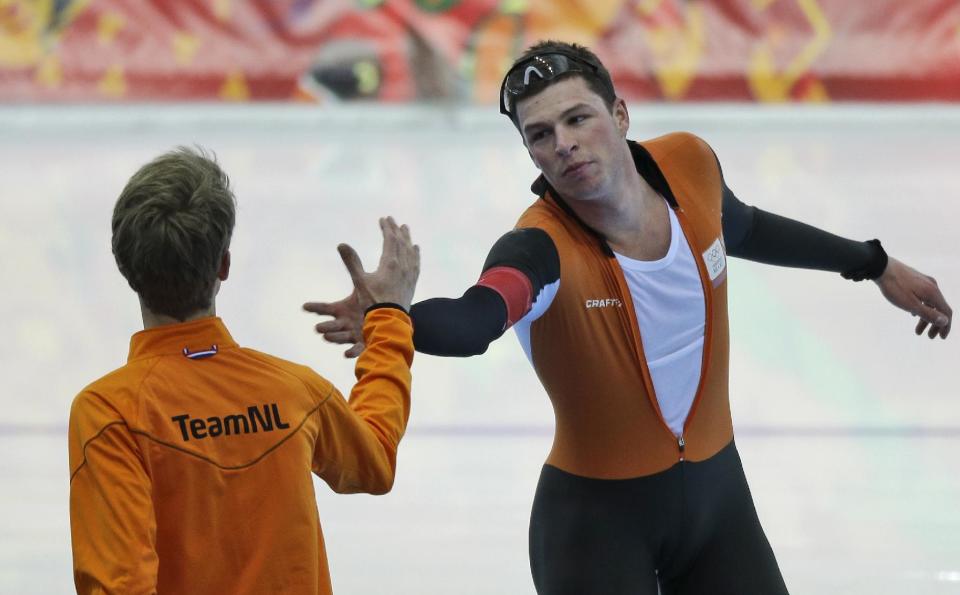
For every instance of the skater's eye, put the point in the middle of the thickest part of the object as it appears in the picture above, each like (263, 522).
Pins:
(538, 135)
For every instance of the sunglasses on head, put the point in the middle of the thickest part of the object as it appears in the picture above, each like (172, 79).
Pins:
(539, 69)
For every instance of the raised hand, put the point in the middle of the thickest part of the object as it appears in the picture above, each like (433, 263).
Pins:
(918, 294)
(346, 326)
(394, 281)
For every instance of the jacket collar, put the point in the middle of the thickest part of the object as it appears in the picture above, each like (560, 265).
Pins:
(204, 336)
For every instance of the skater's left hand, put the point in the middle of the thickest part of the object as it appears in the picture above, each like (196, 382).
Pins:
(346, 326)
(919, 295)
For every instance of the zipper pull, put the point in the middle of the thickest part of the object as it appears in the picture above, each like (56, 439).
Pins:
(682, 444)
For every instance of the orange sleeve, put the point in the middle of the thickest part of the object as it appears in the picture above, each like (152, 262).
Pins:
(112, 522)
(356, 448)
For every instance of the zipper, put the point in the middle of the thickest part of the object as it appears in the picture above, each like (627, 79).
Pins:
(691, 238)
(683, 446)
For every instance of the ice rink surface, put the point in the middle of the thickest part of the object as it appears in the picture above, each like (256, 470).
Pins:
(847, 423)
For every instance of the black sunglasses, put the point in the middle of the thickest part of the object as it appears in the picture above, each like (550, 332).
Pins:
(539, 69)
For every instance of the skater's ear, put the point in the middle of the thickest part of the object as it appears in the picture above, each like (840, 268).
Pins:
(224, 270)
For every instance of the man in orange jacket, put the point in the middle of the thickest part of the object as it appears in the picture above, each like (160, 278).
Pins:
(190, 465)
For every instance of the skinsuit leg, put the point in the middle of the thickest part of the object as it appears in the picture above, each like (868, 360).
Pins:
(693, 525)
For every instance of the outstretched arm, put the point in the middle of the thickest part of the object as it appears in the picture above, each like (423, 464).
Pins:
(757, 235)
(518, 267)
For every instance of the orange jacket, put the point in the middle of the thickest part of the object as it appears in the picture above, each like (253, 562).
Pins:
(590, 359)
(190, 466)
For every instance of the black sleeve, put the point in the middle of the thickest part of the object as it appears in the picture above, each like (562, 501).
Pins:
(459, 327)
(467, 325)
(529, 250)
(757, 235)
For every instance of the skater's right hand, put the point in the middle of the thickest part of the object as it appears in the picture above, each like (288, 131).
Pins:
(394, 281)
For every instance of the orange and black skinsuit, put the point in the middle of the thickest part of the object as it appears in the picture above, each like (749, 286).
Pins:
(191, 465)
(624, 505)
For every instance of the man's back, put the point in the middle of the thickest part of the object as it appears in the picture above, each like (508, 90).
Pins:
(190, 466)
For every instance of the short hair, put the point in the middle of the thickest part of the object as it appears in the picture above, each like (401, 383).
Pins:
(600, 83)
(171, 227)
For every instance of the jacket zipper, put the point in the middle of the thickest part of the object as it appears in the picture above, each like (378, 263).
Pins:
(707, 324)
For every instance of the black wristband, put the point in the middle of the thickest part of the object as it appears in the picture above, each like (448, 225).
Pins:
(385, 305)
(874, 268)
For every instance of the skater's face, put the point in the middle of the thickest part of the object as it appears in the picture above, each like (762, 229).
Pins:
(573, 138)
